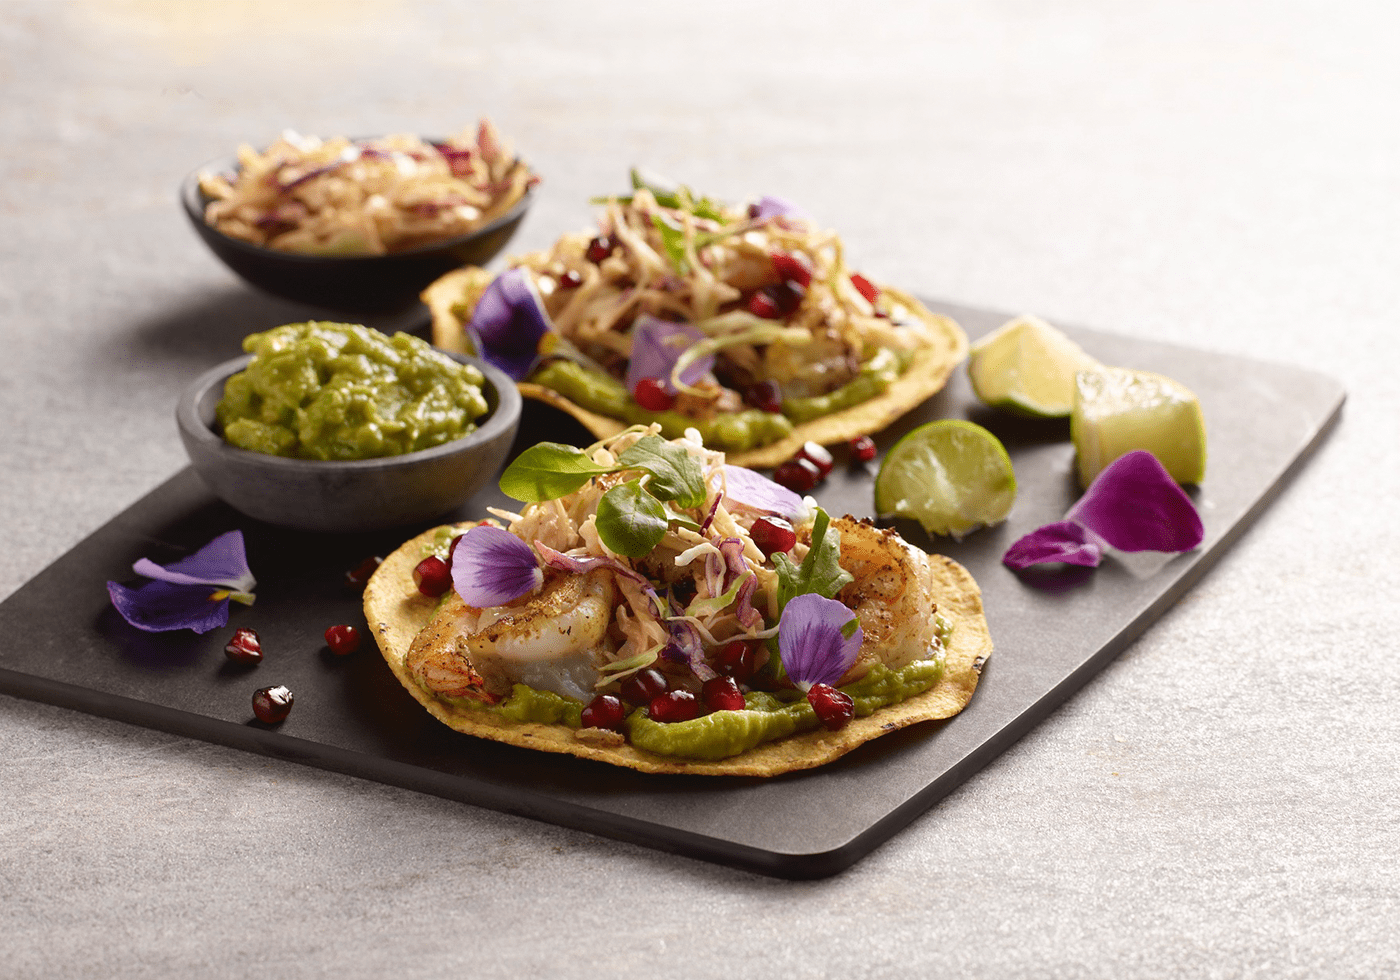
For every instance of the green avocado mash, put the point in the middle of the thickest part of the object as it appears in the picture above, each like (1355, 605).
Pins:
(338, 391)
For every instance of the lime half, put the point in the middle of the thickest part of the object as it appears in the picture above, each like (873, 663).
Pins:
(1117, 410)
(1027, 367)
(951, 476)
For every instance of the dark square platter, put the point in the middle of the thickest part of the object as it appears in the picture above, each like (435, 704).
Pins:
(61, 642)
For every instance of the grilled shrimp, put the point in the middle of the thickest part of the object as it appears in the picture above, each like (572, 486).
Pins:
(554, 641)
(892, 594)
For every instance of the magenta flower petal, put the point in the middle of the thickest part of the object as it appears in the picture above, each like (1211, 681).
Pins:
(491, 566)
(657, 345)
(508, 324)
(756, 492)
(769, 206)
(1134, 505)
(1063, 541)
(222, 561)
(158, 606)
(811, 641)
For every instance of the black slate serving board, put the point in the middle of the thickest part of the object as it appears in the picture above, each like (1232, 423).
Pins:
(63, 643)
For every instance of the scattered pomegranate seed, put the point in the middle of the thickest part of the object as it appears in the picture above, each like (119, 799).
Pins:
(343, 639)
(599, 249)
(358, 577)
(818, 455)
(244, 647)
(652, 395)
(865, 287)
(773, 535)
(673, 706)
(798, 475)
(738, 659)
(644, 686)
(722, 694)
(272, 704)
(834, 708)
(570, 279)
(604, 711)
(765, 396)
(793, 269)
(862, 449)
(432, 576)
(761, 304)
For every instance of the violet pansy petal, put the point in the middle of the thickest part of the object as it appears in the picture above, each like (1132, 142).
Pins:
(1135, 505)
(223, 561)
(811, 643)
(755, 491)
(656, 346)
(508, 324)
(1064, 541)
(769, 206)
(491, 566)
(158, 606)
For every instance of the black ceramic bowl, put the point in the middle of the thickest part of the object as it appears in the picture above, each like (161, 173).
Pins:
(369, 283)
(356, 495)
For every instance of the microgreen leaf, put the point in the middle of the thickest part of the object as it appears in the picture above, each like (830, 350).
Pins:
(673, 243)
(548, 471)
(820, 571)
(675, 475)
(816, 640)
(630, 521)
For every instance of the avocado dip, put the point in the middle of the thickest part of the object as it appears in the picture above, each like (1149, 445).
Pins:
(340, 391)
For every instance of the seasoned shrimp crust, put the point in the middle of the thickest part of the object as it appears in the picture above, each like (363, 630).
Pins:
(397, 613)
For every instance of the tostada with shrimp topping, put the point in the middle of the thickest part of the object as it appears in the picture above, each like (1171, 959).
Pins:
(746, 324)
(652, 606)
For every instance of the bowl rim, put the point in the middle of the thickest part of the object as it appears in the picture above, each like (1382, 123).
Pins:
(502, 418)
(193, 202)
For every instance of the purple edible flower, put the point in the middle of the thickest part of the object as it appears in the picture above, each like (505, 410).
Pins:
(491, 566)
(192, 593)
(769, 206)
(1133, 505)
(656, 346)
(813, 642)
(756, 492)
(509, 323)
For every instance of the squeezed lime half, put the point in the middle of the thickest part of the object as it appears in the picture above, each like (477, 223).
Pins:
(952, 476)
(1118, 410)
(1027, 367)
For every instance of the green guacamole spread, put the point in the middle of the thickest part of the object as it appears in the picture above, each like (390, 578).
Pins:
(338, 391)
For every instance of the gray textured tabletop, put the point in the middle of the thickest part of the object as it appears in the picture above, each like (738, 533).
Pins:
(1218, 802)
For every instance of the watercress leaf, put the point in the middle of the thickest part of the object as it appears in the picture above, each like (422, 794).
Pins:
(820, 571)
(631, 521)
(673, 242)
(548, 471)
(675, 475)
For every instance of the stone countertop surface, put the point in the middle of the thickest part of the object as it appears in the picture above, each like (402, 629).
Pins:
(1218, 802)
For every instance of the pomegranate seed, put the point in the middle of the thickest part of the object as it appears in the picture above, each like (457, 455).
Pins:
(722, 694)
(865, 287)
(673, 706)
(765, 396)
(818, 455)
(571, 280)
(432, 576)
(343, 639)
(787, 296)
(793, 269)
(761, 304)
(737, 659)
(753, 211)
(604, 711)
(644, 686)
(834, 708)
(798, 475)
(652, 395)
(358, 577)
(772, 535)
(599, 249)
(272, 704)
(862, 449)
(245, 647)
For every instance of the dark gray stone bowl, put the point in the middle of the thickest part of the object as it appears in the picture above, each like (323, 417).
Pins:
(352, 496)
(362, 283)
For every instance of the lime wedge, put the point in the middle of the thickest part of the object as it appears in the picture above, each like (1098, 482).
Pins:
(951, 476)
(1027, 367)
(1117, 410)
